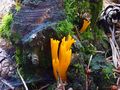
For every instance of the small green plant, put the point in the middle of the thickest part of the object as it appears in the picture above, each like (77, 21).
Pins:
(6, 26)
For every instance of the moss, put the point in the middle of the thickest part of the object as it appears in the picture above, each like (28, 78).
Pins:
(76, 74)
(25, 65)
(64, 28)
(71, 9)
(5, 27)
(18, 7)
(95, 8)
(74, 10)
(102, 71)
(18, 56)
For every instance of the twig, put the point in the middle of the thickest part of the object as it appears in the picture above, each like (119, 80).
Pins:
(77, 33)
(102, 52)
(117, 32)
(109, 58)
(43, 87)
(89, 61)
(60, 84)
(115, 48)
(87, 71)
(114, 58)
(115, 54)
(86, 82)
(8, 84)
(118, 81)
(25, 85)
(117, 71)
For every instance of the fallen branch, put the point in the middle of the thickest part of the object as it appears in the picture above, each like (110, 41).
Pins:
(88, 71)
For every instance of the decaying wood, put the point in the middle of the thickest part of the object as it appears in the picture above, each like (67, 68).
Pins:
(34, 18)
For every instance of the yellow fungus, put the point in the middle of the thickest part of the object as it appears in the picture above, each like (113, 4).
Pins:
(61, 58)
(86, 23)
